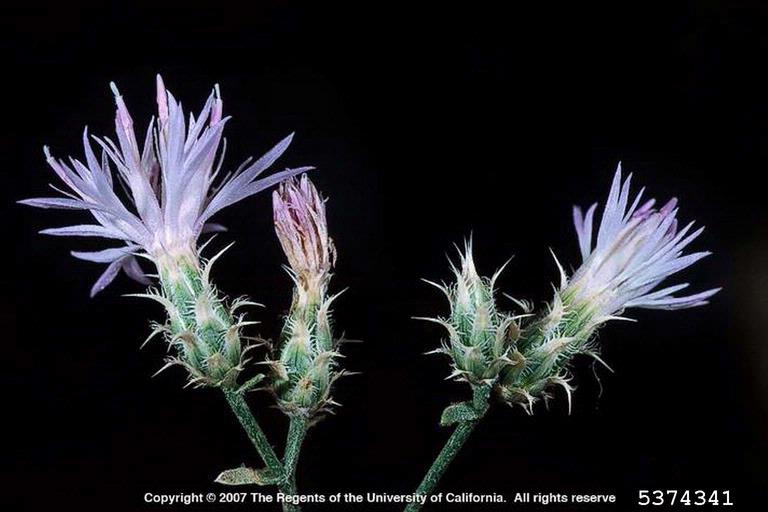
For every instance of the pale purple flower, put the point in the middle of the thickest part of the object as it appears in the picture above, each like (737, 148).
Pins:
(637, 247)
(302, 229)
(168, 183)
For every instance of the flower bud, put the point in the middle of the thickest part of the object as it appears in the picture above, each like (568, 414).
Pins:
(301, 227)
(305, 367)
(480, 337)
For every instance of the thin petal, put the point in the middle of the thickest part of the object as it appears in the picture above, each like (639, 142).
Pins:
(212, 227)
(107, 277)
(134, 271)
(106, 255)
(62, 203)
(85, 230)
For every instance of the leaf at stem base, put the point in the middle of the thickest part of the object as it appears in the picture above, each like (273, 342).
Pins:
(248, 476)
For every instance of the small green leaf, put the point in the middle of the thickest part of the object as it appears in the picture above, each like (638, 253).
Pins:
(248, 476)
(458, 413)
(251, 383)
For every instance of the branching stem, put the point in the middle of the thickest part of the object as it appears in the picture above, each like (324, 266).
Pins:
(253, 430)
(296, 435)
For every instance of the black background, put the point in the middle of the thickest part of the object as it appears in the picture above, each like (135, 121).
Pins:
(426, 125)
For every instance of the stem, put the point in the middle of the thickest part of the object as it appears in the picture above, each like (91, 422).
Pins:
(452, 446)
(296, 433)
(260, 441)
(448, 453)
(252, 428)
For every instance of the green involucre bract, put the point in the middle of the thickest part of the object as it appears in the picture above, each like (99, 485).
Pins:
(202, 327)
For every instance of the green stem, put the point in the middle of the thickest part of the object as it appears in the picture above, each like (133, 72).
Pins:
(296, 433)
(448, 453)
(267, 453)
(452, 446)
(252, 428)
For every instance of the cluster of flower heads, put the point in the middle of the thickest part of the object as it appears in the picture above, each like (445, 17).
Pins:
(157, 199)
(637, 248)
(158, 202)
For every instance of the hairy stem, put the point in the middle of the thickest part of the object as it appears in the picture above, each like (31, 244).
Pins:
(252, 428)
(452, 447)
(448, 453)
(267, 453)
(296, 433)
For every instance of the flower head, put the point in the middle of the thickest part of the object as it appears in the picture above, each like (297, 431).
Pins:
(305, 366)
(302, 229)
(481, 339)
(637, 248)
(172, 183)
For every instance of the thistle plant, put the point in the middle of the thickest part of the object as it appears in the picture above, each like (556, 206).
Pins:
(156, 201)
(172, 187)
(520, 359)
